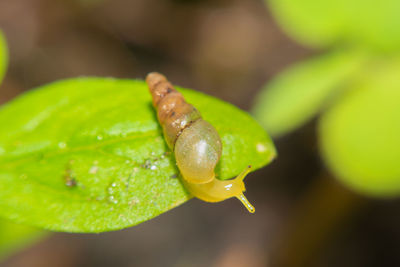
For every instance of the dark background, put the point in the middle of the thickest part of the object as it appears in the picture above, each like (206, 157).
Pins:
(228, 49)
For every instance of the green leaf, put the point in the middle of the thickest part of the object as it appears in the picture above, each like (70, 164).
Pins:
(3, 56)
(312, 22)
(13, 236)
(16, 236)
(88, 155)
(325, 23)
(360, 135)
(300, 92)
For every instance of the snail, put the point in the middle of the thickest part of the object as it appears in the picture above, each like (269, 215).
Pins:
(195, 143)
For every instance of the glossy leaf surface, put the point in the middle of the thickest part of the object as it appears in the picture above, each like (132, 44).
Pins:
(88, 155)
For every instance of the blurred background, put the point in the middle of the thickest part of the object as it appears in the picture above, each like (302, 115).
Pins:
(228, 49)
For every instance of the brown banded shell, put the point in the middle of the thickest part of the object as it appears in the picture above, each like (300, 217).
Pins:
(174, 116)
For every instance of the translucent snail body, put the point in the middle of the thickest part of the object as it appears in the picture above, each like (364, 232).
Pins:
(196, 145)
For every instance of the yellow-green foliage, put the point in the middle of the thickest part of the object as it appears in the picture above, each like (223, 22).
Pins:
(88, 155)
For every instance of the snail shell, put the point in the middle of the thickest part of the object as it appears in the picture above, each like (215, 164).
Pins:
(196, 144)
(197, 152)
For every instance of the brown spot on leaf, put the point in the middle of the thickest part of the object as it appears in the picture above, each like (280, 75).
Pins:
(69, 176)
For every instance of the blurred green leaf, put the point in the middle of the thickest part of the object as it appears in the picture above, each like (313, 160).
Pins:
(13, 236)
(312, 22)
(298, 93)
(360, 135)
(88, 155)
(325, 23)
(16, 236)
(3, 56)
